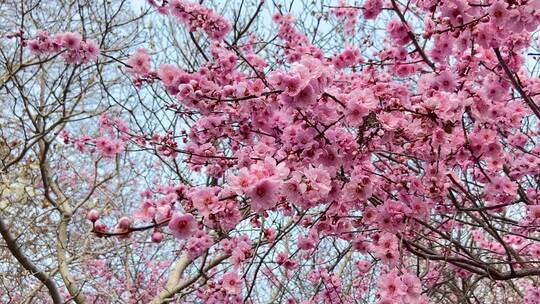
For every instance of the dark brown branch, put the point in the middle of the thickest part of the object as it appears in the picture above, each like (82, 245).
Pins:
(412, 36)
(27, 263)
(516, 84)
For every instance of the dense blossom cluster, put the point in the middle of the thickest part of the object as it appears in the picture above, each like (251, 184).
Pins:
(372, 8)
(296, 43)
(348, 15)
(396, 159)
(196, 16)
(73, 48)
(142, 287)
(107, 143)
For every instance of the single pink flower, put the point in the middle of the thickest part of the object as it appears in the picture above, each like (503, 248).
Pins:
(264, 194)
(231, 283)
(182, 226)
(71, 41)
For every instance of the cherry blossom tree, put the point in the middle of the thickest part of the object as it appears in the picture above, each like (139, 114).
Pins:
(376, 151)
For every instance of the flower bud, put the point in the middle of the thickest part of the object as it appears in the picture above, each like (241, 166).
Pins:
(93, 215)
(124, 223)
(157, 237)
(100, 227)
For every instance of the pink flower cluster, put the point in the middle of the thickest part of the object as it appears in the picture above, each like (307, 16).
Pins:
(308, 242)
(517, 18)
(283, 259)
(196, 16)
(109, 142)
(402, 149)
(360, 103)
(139, 67)
(109, 147)
(347, 14)
(160, 208)
(297, 44)
(499, 19)
(309, 187)
(165, 145)
(231, 283)
(262, 183)
(533, 295)
(73, 48)
(198, 244)
(372, 8)
(139, 63)
(349, 57)
(302, 84)
(142, 287)
(332, 287)
(398, 32)
(385, 248)
(227, 289)
(395, 288)
(216, 212)
(239, 248)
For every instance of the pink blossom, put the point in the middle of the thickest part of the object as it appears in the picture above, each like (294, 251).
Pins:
(391, 286)
(305, 97)
(347, 14)
(139, 63)
(197, 244)
(196, 16)
(90, 51)
(398, 31)
(93, 215)
(293, 84)
(534, 211)
(242, 181)
(205, 200)
(182, 226)
(75, 50)
(372, 8)
(70, 40)
(110, 147)
(157, 237)
(358, 189)
(34, 47)
(162, 212)
(309, 242)
(264, 194)
(356, 111)
(278, 147)
(363, 266)
(231, 283)
(413, 285)
(124, 223)
(100, 227)
(169, 75)
(498, 13)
